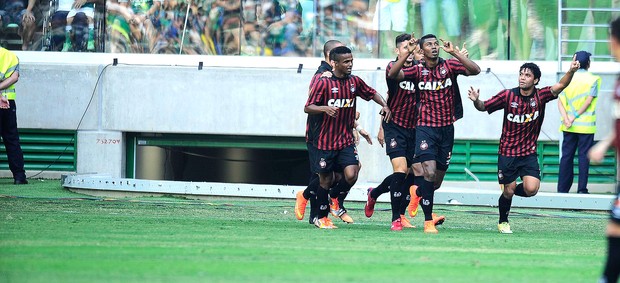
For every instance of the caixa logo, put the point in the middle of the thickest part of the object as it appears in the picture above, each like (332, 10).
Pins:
(341, 102)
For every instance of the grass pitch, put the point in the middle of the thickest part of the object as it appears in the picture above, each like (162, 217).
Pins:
(48, 234)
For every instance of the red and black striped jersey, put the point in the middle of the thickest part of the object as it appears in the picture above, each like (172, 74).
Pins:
(523, 118)
(436, 89)
(337, 133)
(402, 100)
(314, 121)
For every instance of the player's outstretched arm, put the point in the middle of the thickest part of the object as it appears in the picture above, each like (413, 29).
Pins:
(396, 72)
(557, 88)
(474, 95)
(471, 67)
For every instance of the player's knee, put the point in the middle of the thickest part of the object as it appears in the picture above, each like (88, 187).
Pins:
(613, 230)
(531, 190)
(351, 179)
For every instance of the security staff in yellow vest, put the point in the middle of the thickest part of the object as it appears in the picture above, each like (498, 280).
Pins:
(9, 74)
(577, 106)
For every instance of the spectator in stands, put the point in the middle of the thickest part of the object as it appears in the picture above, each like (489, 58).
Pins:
(22, 14)
(86, 7)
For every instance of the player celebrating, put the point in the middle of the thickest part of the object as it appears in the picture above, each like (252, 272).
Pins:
(524, 112)
(400, 135)
(334, 99)
(436, 79)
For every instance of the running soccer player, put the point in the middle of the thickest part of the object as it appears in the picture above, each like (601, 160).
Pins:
(436, 83)
(524, 112)
(611, 273)
(334, 99)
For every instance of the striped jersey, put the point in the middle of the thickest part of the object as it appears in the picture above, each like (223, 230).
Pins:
(337, 133)
(523, 118)
(437, 88)
(313, 123)
(402, 100)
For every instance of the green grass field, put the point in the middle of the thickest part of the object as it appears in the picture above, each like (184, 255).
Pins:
(49, 234)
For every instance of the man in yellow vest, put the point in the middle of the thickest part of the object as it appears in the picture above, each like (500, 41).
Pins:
(577, 106)
(9, 74)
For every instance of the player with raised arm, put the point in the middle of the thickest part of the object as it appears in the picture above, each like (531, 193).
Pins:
(524, 112)
(436, 84)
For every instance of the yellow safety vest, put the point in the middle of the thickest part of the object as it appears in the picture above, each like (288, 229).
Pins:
(9, 63)
(574, 97)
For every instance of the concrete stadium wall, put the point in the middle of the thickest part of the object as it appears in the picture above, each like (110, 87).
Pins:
(230, 95)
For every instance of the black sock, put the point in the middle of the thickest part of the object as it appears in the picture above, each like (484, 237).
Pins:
(504, 208)
(396, 193)
(340, 189)
(406, 184)
(311, 188)
(383, 188)
(322, 198)
(418, 181)
(612, 267)
(314, 208)
(426, 202)
(520, 191)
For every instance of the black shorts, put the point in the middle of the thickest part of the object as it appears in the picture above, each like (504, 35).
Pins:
(434, 143)
(510, 168)
(325, 161)
(399, 142)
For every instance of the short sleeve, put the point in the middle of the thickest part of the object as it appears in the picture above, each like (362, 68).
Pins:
(456, 66)
(364, 91)
(317, 92)
(496, 102)
(545, 94)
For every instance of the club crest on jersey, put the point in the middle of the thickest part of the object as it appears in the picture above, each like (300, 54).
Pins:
(443, 71)
(425, 72)
(500, 174)
(514, 104)
(334, 90)
(435, 85)
(533, 103)
(352, 88)
(393, 143)
(522, 118)
(423, 145)
(322, 163)
(341, 102)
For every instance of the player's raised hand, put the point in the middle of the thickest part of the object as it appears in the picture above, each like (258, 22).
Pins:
(473, 94)
(412, 46)
(463, 50)
(574, 66)
(447, 46)
(331, 111)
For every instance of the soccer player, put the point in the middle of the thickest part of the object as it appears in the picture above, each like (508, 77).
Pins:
(400, 136)
(312, 128)
(524, 111)
(334, 99)
(596, 154)
(438, 92)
